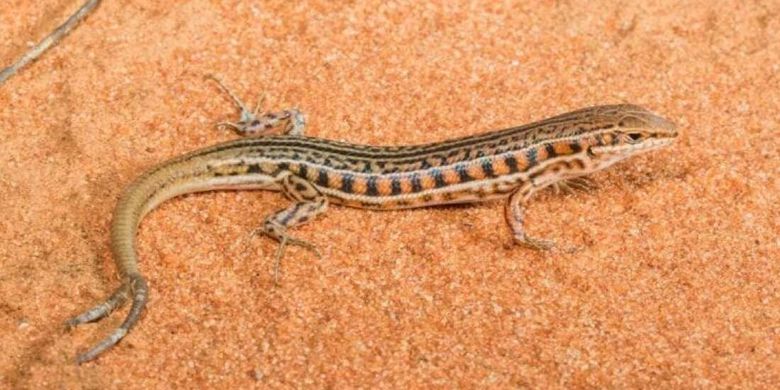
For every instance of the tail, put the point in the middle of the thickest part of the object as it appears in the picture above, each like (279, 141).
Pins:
(149, 190)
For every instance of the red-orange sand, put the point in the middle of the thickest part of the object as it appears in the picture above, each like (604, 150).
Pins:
(676, 282)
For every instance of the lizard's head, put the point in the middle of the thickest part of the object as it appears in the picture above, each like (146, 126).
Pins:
(628, 130)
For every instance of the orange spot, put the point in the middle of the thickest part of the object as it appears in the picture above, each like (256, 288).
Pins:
(562, 148)
(476, 172)
(450, 176)
(383, 186)
(427, 182)
(541, 154)
(406, 185)
(334, 180)
(500, 167)
(358, 186)
(522, 161)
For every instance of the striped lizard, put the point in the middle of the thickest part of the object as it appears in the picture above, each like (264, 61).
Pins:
(511, 164)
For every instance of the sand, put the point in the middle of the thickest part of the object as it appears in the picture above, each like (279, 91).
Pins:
(674, 282)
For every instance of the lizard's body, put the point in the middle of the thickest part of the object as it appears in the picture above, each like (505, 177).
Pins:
(313, 172)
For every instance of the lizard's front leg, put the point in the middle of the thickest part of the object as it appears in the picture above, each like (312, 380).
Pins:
(515, 217)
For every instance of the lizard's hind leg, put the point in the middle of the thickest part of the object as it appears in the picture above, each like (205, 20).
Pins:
(309, 202)
(135, 286)
(255, 123)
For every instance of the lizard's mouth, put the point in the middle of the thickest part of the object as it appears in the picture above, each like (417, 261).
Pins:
(628, 149)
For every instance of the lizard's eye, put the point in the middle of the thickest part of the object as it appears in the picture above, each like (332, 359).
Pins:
(634, 136)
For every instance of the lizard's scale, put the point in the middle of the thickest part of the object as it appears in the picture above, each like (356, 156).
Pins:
(511, 163)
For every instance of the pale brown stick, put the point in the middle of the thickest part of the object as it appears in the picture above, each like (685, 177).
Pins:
(49, 41)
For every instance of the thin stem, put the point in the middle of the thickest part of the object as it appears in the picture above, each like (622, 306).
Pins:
(49, 41)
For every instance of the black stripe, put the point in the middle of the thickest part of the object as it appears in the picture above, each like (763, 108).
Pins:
(395, 186)
(487, 167)
(439, 178)
(575, 147)
(371, 186)
(464, 175)
(322, 179)
(416, 186)
(302, 170)
(511, 163)
(531, 156)
(253, 168)
(550, 148)
(346, 183)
